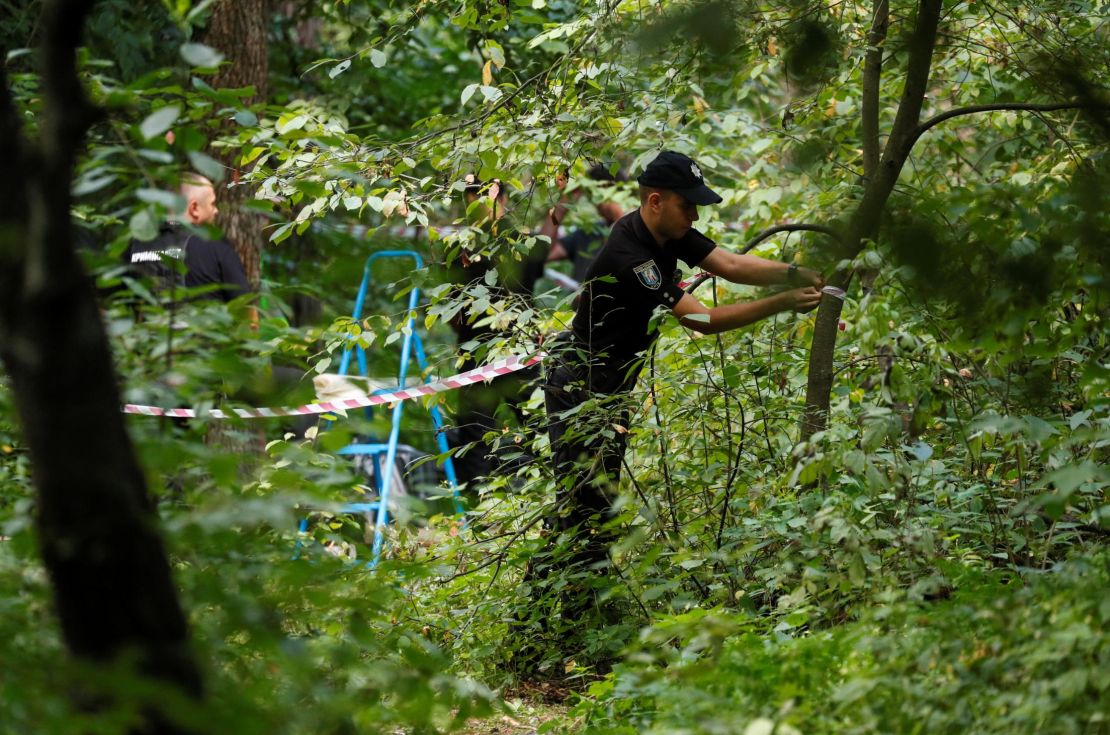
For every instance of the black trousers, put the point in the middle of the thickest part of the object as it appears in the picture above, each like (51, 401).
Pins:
(587, 448)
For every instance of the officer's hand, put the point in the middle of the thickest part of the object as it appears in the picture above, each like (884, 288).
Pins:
(811, 278)
(804, 299)
(806, 277)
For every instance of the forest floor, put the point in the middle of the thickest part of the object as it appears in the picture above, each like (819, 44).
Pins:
(525, 718)
(527, 708)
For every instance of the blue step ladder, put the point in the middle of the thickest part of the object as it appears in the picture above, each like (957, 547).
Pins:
(384, 471)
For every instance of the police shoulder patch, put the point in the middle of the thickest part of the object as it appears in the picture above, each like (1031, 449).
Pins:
(649, 275)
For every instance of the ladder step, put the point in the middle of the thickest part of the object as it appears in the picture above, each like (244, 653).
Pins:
(364, 449)
(360, 507)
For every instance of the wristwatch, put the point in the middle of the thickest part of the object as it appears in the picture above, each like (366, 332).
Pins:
(792, 273)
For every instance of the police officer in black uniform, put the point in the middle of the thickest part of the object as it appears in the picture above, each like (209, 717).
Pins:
(601, 357)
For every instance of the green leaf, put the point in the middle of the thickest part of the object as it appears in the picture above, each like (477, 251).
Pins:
(921, 451)
(761, 145)
(874, 434)
(197, 10)
(1078, 419)
(199, 55)
(1038, 429)
(610, 125)
(770, 195)
(169, 200)
(159, 121)
(246, 118)
(288, 123)
(90, 183)
(496, 53)
(206, 165)
(1069, 478)
(155, 155)
(281, 233)
(143, 225)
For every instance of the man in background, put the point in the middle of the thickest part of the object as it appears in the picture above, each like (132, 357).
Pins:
(506, 263)
(211, 263)
(581, 245)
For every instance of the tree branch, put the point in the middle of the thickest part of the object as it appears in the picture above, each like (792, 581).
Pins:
(800, 227)
(13, 203)
(872, 75)
(902, 137)
(1002, 106)
(67, 112)
(67, 116)
(11, 146)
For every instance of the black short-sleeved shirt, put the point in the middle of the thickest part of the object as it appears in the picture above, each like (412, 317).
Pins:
(207, 262)
(613, 315)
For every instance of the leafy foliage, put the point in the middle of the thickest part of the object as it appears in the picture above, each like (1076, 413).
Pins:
(934, 561)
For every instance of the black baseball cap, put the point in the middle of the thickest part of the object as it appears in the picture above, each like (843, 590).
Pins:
(679, 173)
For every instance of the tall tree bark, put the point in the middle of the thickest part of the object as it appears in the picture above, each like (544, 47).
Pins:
(238, 29)
(872, 76)
(109, 571)
(864, 222)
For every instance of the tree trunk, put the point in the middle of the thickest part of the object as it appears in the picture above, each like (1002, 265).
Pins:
(109, 571)
(238, 30)
(864, 223)
(872, 75)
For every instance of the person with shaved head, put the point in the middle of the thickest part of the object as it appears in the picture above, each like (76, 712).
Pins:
(206, 262)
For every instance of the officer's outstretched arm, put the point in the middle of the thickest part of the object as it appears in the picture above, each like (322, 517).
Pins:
(755, 271)
(695, 315)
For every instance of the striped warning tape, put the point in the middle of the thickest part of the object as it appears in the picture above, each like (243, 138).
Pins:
(477, 375)
(562, 281)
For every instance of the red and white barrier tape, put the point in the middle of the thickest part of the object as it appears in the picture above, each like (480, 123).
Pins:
(477, 375)
(696, 278)
(562, 281)
(470, 377)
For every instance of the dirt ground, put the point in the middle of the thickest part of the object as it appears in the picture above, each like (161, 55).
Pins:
(524, 721)
(528, 709)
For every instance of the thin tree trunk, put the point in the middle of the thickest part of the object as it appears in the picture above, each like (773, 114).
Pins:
(238, 29)
(872, 77)
(109, 571)
(864, 222)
